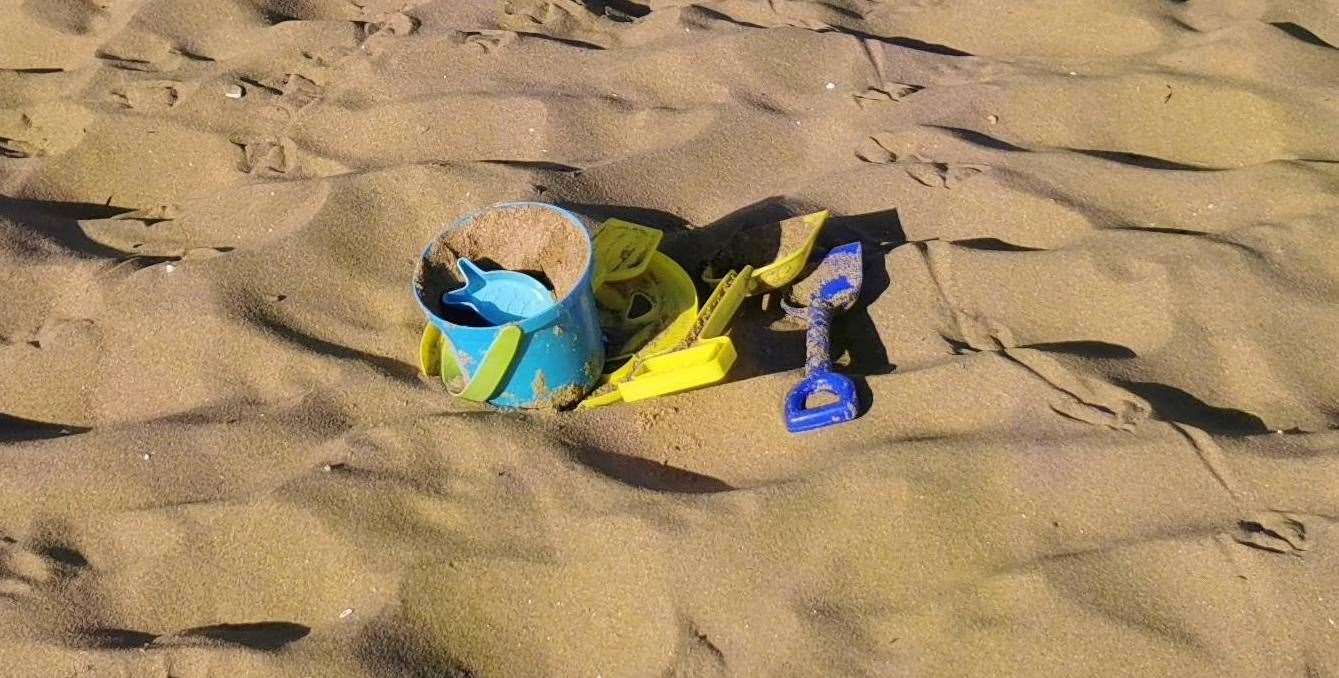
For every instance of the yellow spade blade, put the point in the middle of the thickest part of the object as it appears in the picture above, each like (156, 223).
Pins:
(787, 265)
(722, 305)
(701, 364)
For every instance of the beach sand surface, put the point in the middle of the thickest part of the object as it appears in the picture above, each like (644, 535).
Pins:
(1095, 340)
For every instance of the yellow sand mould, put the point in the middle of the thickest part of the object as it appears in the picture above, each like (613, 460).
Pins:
(652, 312)
(623, 250)
(647, 302)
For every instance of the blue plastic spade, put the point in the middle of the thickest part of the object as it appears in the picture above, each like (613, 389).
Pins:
(839, 277)
(499, 297)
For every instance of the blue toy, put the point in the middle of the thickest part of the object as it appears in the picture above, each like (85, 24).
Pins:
(839, 276)
(503, 338)
(498, 297)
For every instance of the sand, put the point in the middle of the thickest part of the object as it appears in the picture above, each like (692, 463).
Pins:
(1095, 340)
(535, 241)
(761, 245)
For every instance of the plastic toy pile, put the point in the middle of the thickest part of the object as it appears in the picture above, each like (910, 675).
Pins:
(657, 339)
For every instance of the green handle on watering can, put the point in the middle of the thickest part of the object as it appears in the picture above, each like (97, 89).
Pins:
(437, 356)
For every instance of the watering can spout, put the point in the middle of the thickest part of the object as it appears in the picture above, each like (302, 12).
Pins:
(470, 273)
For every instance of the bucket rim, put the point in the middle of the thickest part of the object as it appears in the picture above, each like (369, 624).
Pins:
(533, 323)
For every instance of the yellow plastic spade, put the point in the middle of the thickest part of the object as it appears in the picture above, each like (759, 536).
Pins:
(701, 364)
(669, 298)
(788, 265)
(722, 305)
(674, 347)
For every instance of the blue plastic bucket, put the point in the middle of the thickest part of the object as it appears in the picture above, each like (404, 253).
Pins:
(561, 351)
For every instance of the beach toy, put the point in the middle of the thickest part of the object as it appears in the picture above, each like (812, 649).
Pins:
(722, 305)
(498, 297)
(495, 339)
(688, 354)
(631, 313)
(838, 279)
(652, 312)
(644, 316)
(437, 356)
(623, 250)
(788, 264)
(703, 363)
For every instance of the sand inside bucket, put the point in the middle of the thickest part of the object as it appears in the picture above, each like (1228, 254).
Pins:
(532, 240)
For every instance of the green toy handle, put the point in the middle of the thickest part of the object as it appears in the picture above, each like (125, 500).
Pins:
(486, 380)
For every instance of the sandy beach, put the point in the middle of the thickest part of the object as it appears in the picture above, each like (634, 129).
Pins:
(1095, 340)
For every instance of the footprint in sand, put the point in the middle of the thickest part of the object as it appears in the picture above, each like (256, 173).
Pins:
(156, 213)
(56, 329)
(394, 24)
(328, 56)
(489, 40)
(293, 91)
(572, 23)
(1274, 532)
(299, 91)
(26, 569)
(879, 149)
(152, 95)
(884, 148)
(140, 51)
(942, 174)
(42, 130)
(965, 70)
(268, 156)
(888, 92)
(385, 27)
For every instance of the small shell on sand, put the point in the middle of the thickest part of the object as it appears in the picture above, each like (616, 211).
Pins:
(234, 91)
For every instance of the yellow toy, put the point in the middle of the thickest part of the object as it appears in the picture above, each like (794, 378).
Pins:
(652, 312)
(648, 305)
(788, 265)
(722, 305)
(676, 362)
(623, 250)
(705, 362)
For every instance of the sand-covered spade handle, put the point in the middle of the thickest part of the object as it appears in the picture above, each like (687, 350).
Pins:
(839, 278)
